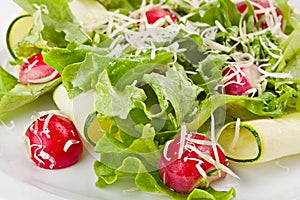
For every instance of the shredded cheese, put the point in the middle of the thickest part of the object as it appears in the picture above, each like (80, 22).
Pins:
(45, 79)
(213, 138)
(210, 160)
(182, 141)
(165, 151)
(69, 143)
(236, 134)
(11, 126)
(45, 126)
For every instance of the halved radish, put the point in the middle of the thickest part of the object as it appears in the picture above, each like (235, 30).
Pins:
(160, 16)
(191, 161)
(53, 142)
(240, 80)
(263, 10)
(35, 70)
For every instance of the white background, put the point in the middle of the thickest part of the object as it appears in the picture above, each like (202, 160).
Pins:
(12, 188)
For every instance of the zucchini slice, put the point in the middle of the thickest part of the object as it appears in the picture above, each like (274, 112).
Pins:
(17, 30)
(261, 140)
(92, 129)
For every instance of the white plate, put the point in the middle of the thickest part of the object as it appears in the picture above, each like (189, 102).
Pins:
(20, 179)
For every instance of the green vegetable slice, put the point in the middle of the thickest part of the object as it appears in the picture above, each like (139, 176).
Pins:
(95, 128)
(18, 28)
(92, 129)
(261, 140)
(247, 148)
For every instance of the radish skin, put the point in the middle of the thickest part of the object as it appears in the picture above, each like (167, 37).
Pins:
(53, 142)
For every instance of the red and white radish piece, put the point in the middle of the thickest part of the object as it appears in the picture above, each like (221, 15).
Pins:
(35, 70)
(268, 13)
(192, 160)
(160, 17)
(241, 80)
(53, 142)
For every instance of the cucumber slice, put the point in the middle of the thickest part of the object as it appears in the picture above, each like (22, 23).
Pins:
(16, 31)
(262, 140)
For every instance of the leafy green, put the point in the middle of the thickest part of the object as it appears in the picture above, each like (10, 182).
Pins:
(86, 74)
(116, 103)
(223, 11)
(7, 82)
(123, 4)
(177, 90)
(21, 94)
(54, 26)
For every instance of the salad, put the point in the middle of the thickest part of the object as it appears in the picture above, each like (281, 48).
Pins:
(176, 86)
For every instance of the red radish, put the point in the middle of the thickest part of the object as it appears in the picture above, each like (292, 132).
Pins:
(240, 81)
(53, 142)
(35, 70)
(191, 162)
(242, 6)
(160, 16)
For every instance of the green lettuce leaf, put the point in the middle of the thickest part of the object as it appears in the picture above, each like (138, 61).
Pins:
(177, 90)
(60, 58)
(86, 73)
(224, 11)
(21, 94)
(123, 4)
(55, 25)
(112, 102)
(7, 82)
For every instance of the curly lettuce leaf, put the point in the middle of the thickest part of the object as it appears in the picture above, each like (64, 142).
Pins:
(55, 25)
(113, 102)
(60, 58)
(177, 90)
